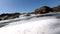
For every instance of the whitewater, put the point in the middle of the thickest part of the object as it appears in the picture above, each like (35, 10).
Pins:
(33, 24)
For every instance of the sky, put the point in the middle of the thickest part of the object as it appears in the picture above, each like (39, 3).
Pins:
(24, 6)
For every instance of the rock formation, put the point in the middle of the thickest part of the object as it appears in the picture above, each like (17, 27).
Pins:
(56, 9)
(43, 10)
(9, 16)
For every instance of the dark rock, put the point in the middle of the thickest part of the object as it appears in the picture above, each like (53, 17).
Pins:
(28, 15)
(56, 9)
(43, 10)
(9, 16)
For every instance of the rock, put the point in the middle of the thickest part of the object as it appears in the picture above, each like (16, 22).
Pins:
(9, 16)
(43, 10)
(12, 16)
(56, 9)
(27, 14)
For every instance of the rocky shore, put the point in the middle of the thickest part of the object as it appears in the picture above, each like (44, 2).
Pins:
(41, 10)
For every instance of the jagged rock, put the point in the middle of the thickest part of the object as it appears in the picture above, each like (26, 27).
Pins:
(27, 15)
(9, 16)
(43, 10)
(2, 16)
(56, 9)
(12, 16)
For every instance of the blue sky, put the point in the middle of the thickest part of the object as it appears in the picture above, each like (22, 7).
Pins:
(10, 6)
